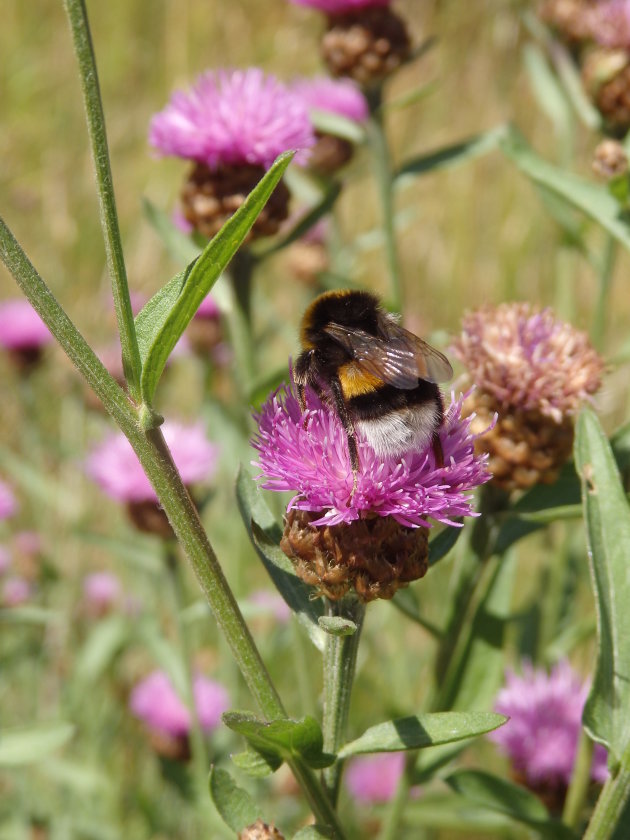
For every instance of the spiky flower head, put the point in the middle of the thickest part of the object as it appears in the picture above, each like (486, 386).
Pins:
(335, 96)
(21, 328)
(545, 721)
(535, 372)
(232, 117)
(372, 538)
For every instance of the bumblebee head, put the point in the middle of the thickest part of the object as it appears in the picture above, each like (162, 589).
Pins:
(348, 307)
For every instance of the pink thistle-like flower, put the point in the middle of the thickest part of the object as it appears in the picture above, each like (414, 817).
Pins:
(208, 308)
(271, 602)
(156, 703)
(113, 464)
(8, 502)
(608, 23)
(335, 96)
(15, 591)
(233, 117)
(374, 778)
(339, 7)
(21, 328)
(541, 737)
(101, 590)
(528, 359)
(314, 461)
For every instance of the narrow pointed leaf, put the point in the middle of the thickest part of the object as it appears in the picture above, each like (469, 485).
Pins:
(235, 805)
(428, 730)
(30, 744)
(161, 331)
(607, 518)
(265, 534)
(592, 199)
(447, 156)
(285, 738)
(105, 640)
(508, 798)
(440, 546)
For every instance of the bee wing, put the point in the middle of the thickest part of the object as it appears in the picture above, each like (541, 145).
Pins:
(398, 357)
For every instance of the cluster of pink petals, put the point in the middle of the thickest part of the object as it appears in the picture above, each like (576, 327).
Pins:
(528, 359)
(312, 458)
(233, 117)
(208, 308)
(16, 590)
(335, 96)
(21, 328)
(608, 23)
(155, 702)
(101, 589)
(545, 712)
(8, 502)
(339, 7)
(114, 466)
(374, 778)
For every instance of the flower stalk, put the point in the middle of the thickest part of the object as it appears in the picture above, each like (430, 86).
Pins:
(580, 782)
(611, 803)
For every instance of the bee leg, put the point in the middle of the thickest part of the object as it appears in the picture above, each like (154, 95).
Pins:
(348, 427)
(302, 376)
(438, 452)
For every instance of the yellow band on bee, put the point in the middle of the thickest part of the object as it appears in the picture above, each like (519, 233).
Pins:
(355, 382)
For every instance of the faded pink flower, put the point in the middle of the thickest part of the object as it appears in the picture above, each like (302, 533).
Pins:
(101, 590)
(309, 455)
(8, 502)
(608, 23)
(208, 308)
(541, 736)
(374, 778)
(156, 703)
(232, 117)
(115, 468)
(271, 602)
(15, 591)
(28, 543)
(335, 96)
(21, 328)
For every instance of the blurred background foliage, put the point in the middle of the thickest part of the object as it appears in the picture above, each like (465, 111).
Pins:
(468, 235)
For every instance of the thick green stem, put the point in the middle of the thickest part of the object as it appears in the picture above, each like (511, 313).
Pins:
(598, 331)
(377, 140)
(340, 659)
(156, 460)
(580, 782)
(611, 803)
(77, 15)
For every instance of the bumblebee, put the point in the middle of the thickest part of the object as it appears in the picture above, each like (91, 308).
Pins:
(380, 379)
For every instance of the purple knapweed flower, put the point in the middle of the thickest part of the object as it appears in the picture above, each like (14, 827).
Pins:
(335, 96)
(157, 704)
(309, 454)
(339, 7)
(115, 468)
(208, 308)
(15, 591)
(608, 23)
(541, 736)
(21, 328)
(8, 502)
(374, 778)
(233, 117)
(101, 590)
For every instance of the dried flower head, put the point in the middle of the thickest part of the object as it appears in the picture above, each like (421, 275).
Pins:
(374, 778)
(157, 704)
(8, 502)
(373, 539)
(542, 734)
(535, 372)
(570, 18)
(606, 78)
(260, 830)
(610, 159)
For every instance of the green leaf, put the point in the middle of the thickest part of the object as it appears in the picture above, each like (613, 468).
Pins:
(162, 327)
(607, 518)
(328, 123)
(285, 738)
(256, 763)
(103, 643)
(592, 199)
(440, 545)
(265, 534)
(336, 625)
(406, 602)
(427, 730)
(549, 95)
(235, 805)
(179, 245)
(507, 798)
(30, 744)
(453, 155)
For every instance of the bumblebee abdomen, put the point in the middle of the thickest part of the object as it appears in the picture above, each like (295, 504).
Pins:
(355, 382)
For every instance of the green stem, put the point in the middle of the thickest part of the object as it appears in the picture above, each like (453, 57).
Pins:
(240, 318)
(580, 782)
(156, 461)
(77, 15)
(383, 170)
(598, 330)
(611, 803)
(340, 659)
